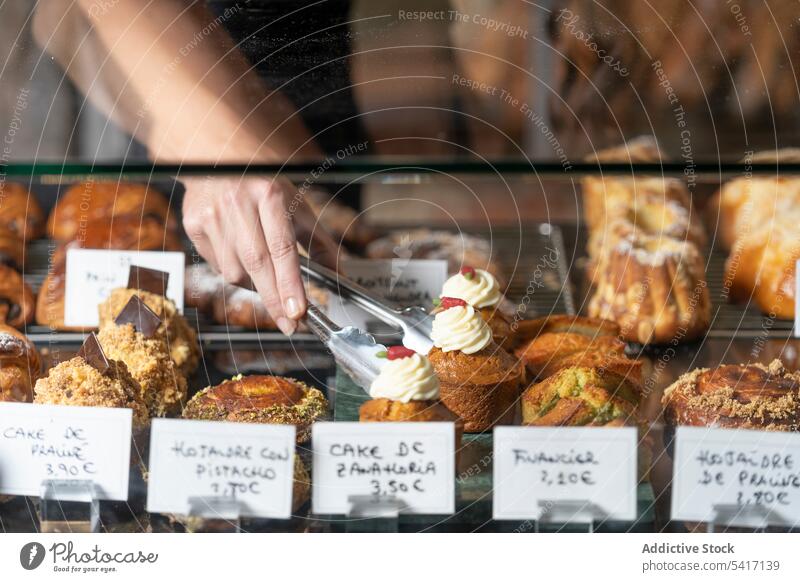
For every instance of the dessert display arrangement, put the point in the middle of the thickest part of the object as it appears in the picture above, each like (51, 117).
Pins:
(254, 418)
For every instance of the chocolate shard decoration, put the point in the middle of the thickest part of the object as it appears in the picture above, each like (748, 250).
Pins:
(93, 353)
(144, 320)
(148, 280)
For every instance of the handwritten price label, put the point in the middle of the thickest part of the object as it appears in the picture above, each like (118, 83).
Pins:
(40, 442)
(412, 461)
(538, 464)
(407, 282)
(92, 274)
(251, 463)
(738, 468)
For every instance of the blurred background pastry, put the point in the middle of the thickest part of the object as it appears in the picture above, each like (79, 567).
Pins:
(86, 203)
(260, 399)
(20, 213)
(17, 302)
(19, 366)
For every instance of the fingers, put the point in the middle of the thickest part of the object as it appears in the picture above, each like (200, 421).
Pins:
(278, 231)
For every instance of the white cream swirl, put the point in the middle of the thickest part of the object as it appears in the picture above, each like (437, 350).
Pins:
(406, 379)
(460, 328)
(479, 290)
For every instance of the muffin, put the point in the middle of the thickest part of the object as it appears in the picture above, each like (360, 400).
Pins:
(480, 289)
(92, 379)
(479, 381)
(260, 399)
(407, 390)
(19, 366)
(580, 396)
(147, 357)
(174, 330)
(751, 396)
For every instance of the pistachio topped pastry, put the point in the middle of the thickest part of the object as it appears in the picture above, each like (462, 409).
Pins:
(260, 399)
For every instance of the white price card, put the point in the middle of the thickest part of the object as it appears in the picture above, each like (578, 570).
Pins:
(539, 465)
(738, 469)
(407, 282)
(251, 463)
(41, 442)
(93, 273)
(411, 461)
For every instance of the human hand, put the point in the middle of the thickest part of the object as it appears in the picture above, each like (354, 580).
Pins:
(248, 230)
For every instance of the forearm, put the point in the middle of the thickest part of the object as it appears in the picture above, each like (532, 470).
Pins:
(201, 99)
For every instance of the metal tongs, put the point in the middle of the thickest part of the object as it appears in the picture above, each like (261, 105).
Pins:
(415, 322)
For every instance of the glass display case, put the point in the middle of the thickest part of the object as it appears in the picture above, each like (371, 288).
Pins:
(579, 154)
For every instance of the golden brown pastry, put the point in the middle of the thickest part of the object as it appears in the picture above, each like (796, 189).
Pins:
(174, 329)
(12, 249)
(260, 399)
(744, 396)
(761, 266)
(544, 354)
(202, 286)
(240, 307)
(77, 382)
(407, 390)
(20, 213)
(19, 366)
(163, 387)
(17, 303)
(91, 202)
(654, 288)
(480, 381)
(580, 397)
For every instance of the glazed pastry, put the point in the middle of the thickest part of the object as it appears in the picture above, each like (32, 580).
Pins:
(655, 289)
(91, 202)
(479, 381)
(745, 396)
(19, 366)
(480, 289)
(407, 390)
(260, 399)
(91, 379)
(20, 213)
(17, 303)
(132, 339)
(580, 397)
(458, 249)
(761, 266)
(174, 329)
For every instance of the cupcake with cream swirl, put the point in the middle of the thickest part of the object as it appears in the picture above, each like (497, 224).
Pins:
(480, 289)
(479, 380)
(407, 390)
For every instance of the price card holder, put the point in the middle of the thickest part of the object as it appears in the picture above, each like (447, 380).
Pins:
(556, 513)
(374, 514)
(214, 515)
(729, 514)
(69, 506)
